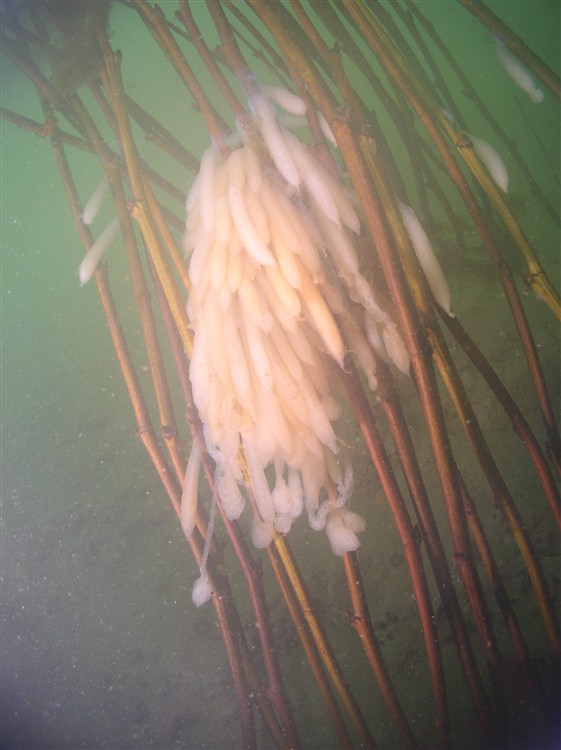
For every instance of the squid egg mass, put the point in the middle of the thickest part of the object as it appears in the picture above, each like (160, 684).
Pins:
(268, 348)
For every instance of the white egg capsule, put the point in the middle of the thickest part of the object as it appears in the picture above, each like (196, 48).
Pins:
(518, 73)
(202, 591)
(286, 99)
(427, 258)
(94, 204)
(492, 161)
(90, 263)
(189, 496)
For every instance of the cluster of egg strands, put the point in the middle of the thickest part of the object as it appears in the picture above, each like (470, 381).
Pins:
(264, 332)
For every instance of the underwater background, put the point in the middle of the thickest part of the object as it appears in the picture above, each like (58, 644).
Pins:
(101, 644)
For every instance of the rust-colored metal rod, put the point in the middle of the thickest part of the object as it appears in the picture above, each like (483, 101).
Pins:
(171, 190)
(161, 33)
(322, 644)
(361, 622)
(285, 734)
(400, 432)
(440, 82)
(365, 118)
(410, 539)
(517, 420)
(458, 523)
(164, 232)
(259, 696)
(493, 574)
(309, 645)
(277, 64)
(228, 46)
(45, 88)
(232, 635)
(501, 495)
(500, 491)
(535, 276)
(140, 209)
(43, 129)
(167, 141)
(208, 59)
(275, 691)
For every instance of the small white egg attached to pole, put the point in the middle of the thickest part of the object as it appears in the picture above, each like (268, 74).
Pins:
(492, 162)
(91, 261)
(189, 495)
(94, 204)
(518, 73)
(286, 99)
(427, 258)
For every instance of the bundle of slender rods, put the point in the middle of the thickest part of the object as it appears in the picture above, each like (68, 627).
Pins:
(284, 39)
